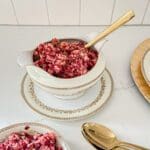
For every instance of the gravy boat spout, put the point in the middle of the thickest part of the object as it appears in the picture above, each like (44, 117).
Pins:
(25, 58)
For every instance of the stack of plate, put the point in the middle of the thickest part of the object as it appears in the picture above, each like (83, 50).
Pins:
(140, 68)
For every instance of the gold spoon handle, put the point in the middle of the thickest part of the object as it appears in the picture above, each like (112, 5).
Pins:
(121, 21)
(131, 146)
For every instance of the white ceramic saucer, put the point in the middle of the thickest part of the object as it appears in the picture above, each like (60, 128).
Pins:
(48, 105)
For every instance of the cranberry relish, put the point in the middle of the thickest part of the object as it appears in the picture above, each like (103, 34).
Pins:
(26, 141)
(65, 59)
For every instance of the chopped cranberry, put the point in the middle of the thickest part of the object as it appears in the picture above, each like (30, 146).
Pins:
(26, 141)
(65, 59)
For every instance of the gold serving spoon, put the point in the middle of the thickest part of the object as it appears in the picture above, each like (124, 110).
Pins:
(104, 138)
(96, 146)
(121, 21)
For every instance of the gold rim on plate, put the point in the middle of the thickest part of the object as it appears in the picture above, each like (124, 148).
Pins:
(27, 91)
(136, 71)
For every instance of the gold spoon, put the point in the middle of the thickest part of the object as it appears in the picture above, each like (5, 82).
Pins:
(104, 138)
(121, 21)
(97, 146)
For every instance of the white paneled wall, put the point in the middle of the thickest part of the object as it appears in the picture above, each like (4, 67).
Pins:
(71, 12)
(96, 12)
(31, 11)
(139, 7)
(7, 14)
(64, 12)
(147, 15)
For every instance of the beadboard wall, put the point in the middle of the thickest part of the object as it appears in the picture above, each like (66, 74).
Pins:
(71, 12)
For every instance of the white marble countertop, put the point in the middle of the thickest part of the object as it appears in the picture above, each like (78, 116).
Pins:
(127, 113)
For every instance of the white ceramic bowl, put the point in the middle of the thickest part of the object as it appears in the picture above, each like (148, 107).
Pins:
(145, 67)
(64, 88)
(34, 128)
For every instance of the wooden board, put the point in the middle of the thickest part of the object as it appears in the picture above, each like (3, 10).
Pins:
(136, 69)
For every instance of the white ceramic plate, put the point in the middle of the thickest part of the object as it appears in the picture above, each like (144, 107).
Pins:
(34, 128)
(146, 67)
(52, 107)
